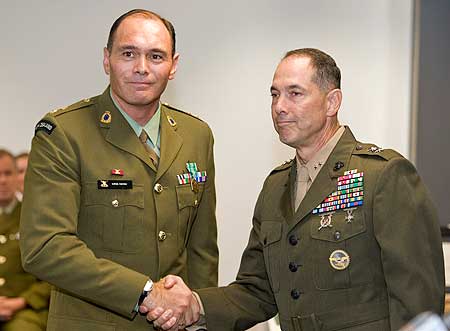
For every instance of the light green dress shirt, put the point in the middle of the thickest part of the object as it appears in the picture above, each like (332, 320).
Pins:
(151, 127)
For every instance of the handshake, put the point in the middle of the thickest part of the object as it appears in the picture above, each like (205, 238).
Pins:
(171, 305)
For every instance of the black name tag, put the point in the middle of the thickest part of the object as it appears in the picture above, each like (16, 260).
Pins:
(45, 126)
(114, 184)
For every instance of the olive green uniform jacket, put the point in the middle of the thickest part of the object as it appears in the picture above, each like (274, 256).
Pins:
(15, 282)
(394, 245)
(97, 234)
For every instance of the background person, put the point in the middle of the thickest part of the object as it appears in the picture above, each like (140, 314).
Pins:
(23, 298)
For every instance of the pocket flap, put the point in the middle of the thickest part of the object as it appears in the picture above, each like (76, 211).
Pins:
(341, 227)
(132, 197)
(186, 197)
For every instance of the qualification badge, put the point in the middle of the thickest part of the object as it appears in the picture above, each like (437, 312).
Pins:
(339, 259)
(325, 221)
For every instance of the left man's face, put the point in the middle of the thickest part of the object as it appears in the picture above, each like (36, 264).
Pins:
(8, 180)
(140, 62)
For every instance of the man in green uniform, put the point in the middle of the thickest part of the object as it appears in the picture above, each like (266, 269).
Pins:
(344, 237)
(23, 298)
(120, 190)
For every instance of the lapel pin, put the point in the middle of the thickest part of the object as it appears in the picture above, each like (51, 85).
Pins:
(117, 172)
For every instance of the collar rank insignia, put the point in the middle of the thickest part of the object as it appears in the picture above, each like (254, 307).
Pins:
(349, 194)
(106, 117)
(117, 172)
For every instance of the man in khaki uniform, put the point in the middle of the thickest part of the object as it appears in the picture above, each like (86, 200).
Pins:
(344, 237)
(23, 298)
(120, 189)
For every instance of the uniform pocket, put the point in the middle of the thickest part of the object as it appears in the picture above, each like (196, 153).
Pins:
(116, 217)
(271, 241)
(187, 201)
(340, 236)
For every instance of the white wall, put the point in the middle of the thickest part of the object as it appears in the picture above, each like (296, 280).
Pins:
(51, 55)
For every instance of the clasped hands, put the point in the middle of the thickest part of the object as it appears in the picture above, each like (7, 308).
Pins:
(171, 305)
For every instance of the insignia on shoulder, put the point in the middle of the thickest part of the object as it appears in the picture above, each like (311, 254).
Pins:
(339, 259)
(106, 117)
(45, 126)
(375, 149)
(58, 109)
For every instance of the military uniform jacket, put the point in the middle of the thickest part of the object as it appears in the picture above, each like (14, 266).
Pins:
(393, 243)
(98, 218)
(14, 281)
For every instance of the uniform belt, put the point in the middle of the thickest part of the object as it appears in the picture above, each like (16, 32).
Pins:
(342, 318)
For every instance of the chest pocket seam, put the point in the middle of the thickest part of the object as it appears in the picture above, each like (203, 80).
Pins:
(271, 233)
(114, 227)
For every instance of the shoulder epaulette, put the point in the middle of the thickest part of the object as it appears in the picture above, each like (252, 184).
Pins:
(77, 105)
(286, 165)
(374, 150)
(181, 111)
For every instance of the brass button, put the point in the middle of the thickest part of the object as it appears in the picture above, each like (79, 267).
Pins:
(196, 203)
(162, 236)
(158, 188)
(2, 259)
(115, 203)
(3, 239)
(2, 281)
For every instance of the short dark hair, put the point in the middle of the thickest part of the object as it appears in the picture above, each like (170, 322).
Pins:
(328, 75)
(146, 13)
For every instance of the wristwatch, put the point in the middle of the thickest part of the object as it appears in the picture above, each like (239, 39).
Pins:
(146, 291)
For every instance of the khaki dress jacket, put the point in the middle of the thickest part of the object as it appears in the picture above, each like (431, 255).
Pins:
(99, 218)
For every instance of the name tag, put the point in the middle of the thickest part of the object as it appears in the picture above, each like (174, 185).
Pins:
(114, 184)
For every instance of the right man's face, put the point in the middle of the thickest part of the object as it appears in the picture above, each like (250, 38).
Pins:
(299, 106)
(140, 62)
(8, 180)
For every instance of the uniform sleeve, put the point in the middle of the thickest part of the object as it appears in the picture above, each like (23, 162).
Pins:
(407, 230)
(247, 301)
(51, 249)
(37, 295)
(203, 253)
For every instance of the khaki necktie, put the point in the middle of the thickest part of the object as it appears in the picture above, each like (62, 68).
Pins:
(151, 152)
(302, 185)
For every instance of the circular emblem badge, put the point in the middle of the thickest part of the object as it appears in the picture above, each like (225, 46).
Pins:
(339, 259)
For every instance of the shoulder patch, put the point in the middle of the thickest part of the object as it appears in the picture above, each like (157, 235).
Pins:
(374, 150)
(77, 105)
(181, 111)
(286, 165)
(44, 125)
